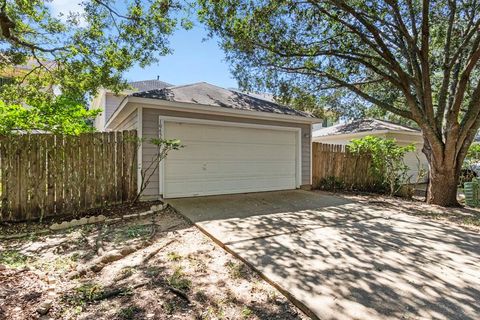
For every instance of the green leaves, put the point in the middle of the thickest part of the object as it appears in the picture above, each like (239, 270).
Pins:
(60, 116)
(388, 159)
(74, 55)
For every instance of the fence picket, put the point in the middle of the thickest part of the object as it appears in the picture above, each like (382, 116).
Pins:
(45, 175)
(334, 163)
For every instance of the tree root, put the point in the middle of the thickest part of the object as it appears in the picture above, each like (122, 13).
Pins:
(98, 264)
(179, 293)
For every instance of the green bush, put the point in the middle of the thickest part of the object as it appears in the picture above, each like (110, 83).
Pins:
(388, 162)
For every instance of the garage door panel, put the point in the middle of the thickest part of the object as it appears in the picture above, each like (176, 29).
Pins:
(227, 152)
(219, 170)
(228, 159)
(197, 188)
(196, 133)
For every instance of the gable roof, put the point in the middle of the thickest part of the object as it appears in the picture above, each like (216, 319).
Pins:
(362, 125)
(203, 93)
(146, 85)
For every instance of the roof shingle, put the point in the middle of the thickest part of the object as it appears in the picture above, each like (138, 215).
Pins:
(362, 125)
(207, 94)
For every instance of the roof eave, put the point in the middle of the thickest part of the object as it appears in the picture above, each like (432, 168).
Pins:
(207, 109)
(362, 133)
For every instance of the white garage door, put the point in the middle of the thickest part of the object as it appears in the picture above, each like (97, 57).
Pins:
(220, 159)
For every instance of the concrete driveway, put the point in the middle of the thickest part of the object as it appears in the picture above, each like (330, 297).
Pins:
(339, 259)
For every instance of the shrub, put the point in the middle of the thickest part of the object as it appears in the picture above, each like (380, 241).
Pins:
(387, 160)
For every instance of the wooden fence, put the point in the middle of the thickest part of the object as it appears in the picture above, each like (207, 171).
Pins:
(44, 175)
(334, 167)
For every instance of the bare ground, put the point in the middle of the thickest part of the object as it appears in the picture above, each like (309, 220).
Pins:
(156, 268)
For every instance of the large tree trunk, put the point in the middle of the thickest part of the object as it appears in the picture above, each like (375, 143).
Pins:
(442, 187)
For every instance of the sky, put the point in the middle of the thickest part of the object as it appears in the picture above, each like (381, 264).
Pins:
(193, 60)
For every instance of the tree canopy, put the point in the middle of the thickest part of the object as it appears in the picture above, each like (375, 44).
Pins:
(416, 59)
(70, 56)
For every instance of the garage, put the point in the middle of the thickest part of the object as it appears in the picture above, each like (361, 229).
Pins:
(226, 158)
(235, 142)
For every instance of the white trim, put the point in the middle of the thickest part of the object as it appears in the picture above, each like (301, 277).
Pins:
(311, 156)
(228, 123)
(364, 133)
(161, 169)
(298, 158)
(207, 109)
(140, 149)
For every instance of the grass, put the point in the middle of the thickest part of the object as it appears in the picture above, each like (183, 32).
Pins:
(133, 232)
(84, 294)
(125, 273)
(236, 270)
(60, 264)
(14, 259)
(169, 307)
(178, 280)
(129, 313)
(174, 256)
(246, 313)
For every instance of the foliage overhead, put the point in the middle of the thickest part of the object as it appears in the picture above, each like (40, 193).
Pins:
(414, 59)
(76, 53)
(60, 116)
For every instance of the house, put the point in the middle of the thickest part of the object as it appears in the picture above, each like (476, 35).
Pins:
(344, 133)
(234, 142)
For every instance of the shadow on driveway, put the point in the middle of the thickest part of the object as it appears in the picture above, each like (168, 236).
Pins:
(340, 259)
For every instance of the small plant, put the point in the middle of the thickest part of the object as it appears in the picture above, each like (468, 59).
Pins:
(388, 160)
(174, 256)
(133, 232)
(84, 294)
(178, 280)
(236, 270)
(129, 312)
(163, 147)
(153, 271)
(125, 273)
(331, 183)
(169, 307)
(246, 313)
(14, 259)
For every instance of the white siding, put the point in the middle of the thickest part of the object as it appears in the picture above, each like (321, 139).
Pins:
(130, 122)
(111, 104)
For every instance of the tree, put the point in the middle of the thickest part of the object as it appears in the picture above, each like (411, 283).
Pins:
(70, 56)
(415, 59)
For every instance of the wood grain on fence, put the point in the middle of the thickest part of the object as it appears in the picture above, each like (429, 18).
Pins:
(44, 175)
(333, 163)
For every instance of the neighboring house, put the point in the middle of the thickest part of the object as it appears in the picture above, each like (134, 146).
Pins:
(344, 133)
(234, 142)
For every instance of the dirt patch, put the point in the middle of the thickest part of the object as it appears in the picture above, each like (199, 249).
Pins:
(468, 218)
(174, 273)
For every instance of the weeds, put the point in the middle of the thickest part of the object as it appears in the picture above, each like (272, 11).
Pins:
(246, 313)
(84, 294)
(236, 270)
(129, 313)
(14, 259)
(174, 256)
(178, 280)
